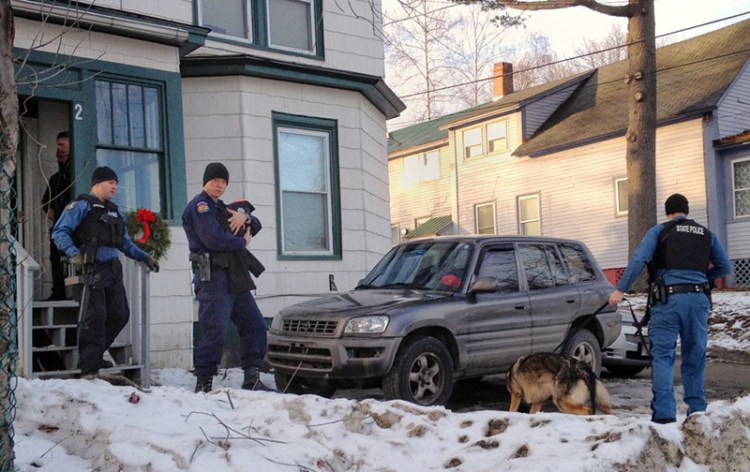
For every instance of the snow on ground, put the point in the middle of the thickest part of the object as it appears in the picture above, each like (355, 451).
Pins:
(79, 425)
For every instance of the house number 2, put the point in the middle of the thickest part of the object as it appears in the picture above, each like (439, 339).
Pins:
(78, 112)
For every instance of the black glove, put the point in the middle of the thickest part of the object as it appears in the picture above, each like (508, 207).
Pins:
(152, 264)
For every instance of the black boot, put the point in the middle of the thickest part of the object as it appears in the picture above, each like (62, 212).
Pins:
(252, 381)
(204, 383)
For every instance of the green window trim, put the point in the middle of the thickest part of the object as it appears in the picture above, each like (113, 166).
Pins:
(321, 127)
(80, 93)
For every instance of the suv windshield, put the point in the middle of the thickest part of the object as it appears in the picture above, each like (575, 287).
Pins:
(427, 265)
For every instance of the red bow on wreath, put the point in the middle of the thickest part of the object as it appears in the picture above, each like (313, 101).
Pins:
(145, 217)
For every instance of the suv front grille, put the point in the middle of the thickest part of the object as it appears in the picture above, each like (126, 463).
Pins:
(310, 326)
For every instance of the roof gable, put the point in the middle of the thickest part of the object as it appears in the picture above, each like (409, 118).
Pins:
(692, 77)
(436, 130)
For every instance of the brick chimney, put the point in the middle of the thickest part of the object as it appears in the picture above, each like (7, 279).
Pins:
(502, 81)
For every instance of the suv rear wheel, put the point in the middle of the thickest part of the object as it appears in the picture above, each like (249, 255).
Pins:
(584, 346)
(301, 386)
(422, 373)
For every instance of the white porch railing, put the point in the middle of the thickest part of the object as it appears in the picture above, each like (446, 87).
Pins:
(56, 323)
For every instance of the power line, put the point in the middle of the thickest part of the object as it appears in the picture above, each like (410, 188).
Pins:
(572, 58)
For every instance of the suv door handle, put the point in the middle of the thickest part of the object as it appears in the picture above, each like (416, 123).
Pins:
(570, 301)
(519, 307)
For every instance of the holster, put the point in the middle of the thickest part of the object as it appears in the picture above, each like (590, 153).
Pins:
(657, 293)
(202, 265)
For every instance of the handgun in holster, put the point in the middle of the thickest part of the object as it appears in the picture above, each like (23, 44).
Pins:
(83, 278)
(83, 274)
(202, 265)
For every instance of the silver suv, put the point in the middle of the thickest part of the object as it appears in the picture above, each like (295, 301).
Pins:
(436, 310)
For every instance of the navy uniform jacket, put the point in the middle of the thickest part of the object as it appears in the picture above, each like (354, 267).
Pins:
(202, 224)
(71, 218)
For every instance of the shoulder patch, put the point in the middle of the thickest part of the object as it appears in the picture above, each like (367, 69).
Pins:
(72, 204)
(202, 207)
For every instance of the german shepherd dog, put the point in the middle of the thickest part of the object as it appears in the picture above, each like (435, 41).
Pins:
(572, 384)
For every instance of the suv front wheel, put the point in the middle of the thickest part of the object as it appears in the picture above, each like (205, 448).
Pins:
(422, 373)
(584, 346)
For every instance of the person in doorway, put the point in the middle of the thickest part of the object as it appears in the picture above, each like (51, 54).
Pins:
(678, 254)
(91, 231)
(222, 294)
(58, 194)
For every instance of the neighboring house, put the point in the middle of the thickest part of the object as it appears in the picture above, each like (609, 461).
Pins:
(550, 160)
(288, 94)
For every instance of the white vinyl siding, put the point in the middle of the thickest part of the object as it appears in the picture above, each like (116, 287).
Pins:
(421, 167)
(409, 198)
(576, 187)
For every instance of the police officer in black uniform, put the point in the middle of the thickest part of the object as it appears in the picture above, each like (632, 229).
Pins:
(58, 194)
(92, 231)
(678, 253)
(217, 237)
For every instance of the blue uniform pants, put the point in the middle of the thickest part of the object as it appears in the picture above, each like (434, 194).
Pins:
(684, 315)
(216, 306)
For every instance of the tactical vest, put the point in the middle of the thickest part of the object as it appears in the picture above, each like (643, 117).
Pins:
(683, 244)
(102, 226)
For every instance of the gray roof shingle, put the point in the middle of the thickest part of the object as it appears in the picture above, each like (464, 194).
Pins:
(692, 76)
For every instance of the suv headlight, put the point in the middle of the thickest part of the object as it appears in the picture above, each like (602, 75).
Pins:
(367, 325)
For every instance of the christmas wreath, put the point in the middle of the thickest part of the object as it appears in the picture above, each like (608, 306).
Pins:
(149, 232)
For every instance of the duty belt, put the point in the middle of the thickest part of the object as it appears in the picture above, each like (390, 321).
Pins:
(686, 288)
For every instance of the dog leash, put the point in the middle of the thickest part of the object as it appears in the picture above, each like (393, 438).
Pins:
(580, 327)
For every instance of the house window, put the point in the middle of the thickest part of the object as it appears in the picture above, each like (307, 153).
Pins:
(422, 167)
(430, 168)
(473, 143)
(130, 141)
(497, 136)
(529, 221)
(484, 216)
(227, 17)
(621, 196)
(741, 188)
(288, 25)
(307, 171)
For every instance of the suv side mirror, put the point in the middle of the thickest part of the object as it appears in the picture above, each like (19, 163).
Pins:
(484, 285)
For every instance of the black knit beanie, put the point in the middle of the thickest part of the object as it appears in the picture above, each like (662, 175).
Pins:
(215, 170)
(676, 203)
(102, 174)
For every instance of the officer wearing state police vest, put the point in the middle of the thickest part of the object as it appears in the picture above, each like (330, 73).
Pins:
(92, 231)
(678, 253)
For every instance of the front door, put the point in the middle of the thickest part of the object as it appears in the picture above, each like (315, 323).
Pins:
(41, 122)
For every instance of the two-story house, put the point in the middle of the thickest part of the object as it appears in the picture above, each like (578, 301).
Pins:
(550, 160)
(288, 94)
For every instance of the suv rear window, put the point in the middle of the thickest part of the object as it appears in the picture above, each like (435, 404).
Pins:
(579, 265)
